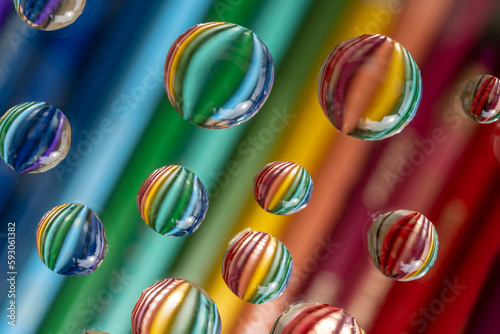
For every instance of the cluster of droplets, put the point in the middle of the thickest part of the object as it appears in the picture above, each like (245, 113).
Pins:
(369, 87)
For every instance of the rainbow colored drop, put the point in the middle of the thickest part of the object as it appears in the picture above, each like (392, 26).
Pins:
(481, 99)
(282, 187)
(34, 137)
(49, 14)
(70, 240)
(175, 306)
(310, 318)
(370, 87)
(403, 244)
(172, 201)
(256, 267)
(218, 75)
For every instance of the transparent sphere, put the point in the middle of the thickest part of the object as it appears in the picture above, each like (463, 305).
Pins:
(283, 187)
(49, 14)
(311, 318)
(481, 99)
(70, 240)
(256, 267)
(218, 75)
(370, 87)
(172, 201)
(175, 306)
(403, 244)
(34, 137)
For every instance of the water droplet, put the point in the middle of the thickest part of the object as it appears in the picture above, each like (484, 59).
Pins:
(283, 187)
(157, 309)
(256, 275)
(218, 75)
(481, 99)
(316, 318)
(70, 240)
(49, 15)
(172, 201)
(403, 244)
(34, 137)
(370, 87)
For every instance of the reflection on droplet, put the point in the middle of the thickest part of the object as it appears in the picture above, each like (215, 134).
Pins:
(283, 187)
(481, 98)
(157, 309)
(172, 201)
(403, 244)
(218, 75)
(49, 14)
(315, 318)
(70, 240)
(370, 87)
(256, 275)
(34, 137)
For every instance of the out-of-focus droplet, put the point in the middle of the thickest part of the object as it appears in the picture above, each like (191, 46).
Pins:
(34, 137)
(49, 14)
(481, 99)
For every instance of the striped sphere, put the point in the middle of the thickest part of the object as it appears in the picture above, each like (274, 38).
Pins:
(481, 99)
(49, 14)
(256, 267)
(370, 87)
(311, 318)
(70, 240)
(34, 137)
(282, 187)
(218, 75)
(403, 244)
(175, 306)
(172, 201)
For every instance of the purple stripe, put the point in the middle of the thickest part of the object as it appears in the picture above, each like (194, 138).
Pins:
(5, 7)
(57, 138)
(52, 146)
(49, 9)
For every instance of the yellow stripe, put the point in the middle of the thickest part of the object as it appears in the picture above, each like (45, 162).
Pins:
(320, 136)
(388, 94)
(44, 226)
(154, 190)
(182, 48)
(165, 317)
(262, 269)
(429, 254)
(283, 188)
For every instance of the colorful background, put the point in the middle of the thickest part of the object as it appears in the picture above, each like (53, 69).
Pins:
(106, 73)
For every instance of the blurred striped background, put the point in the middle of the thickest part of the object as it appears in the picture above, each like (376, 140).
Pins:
(105, 72)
